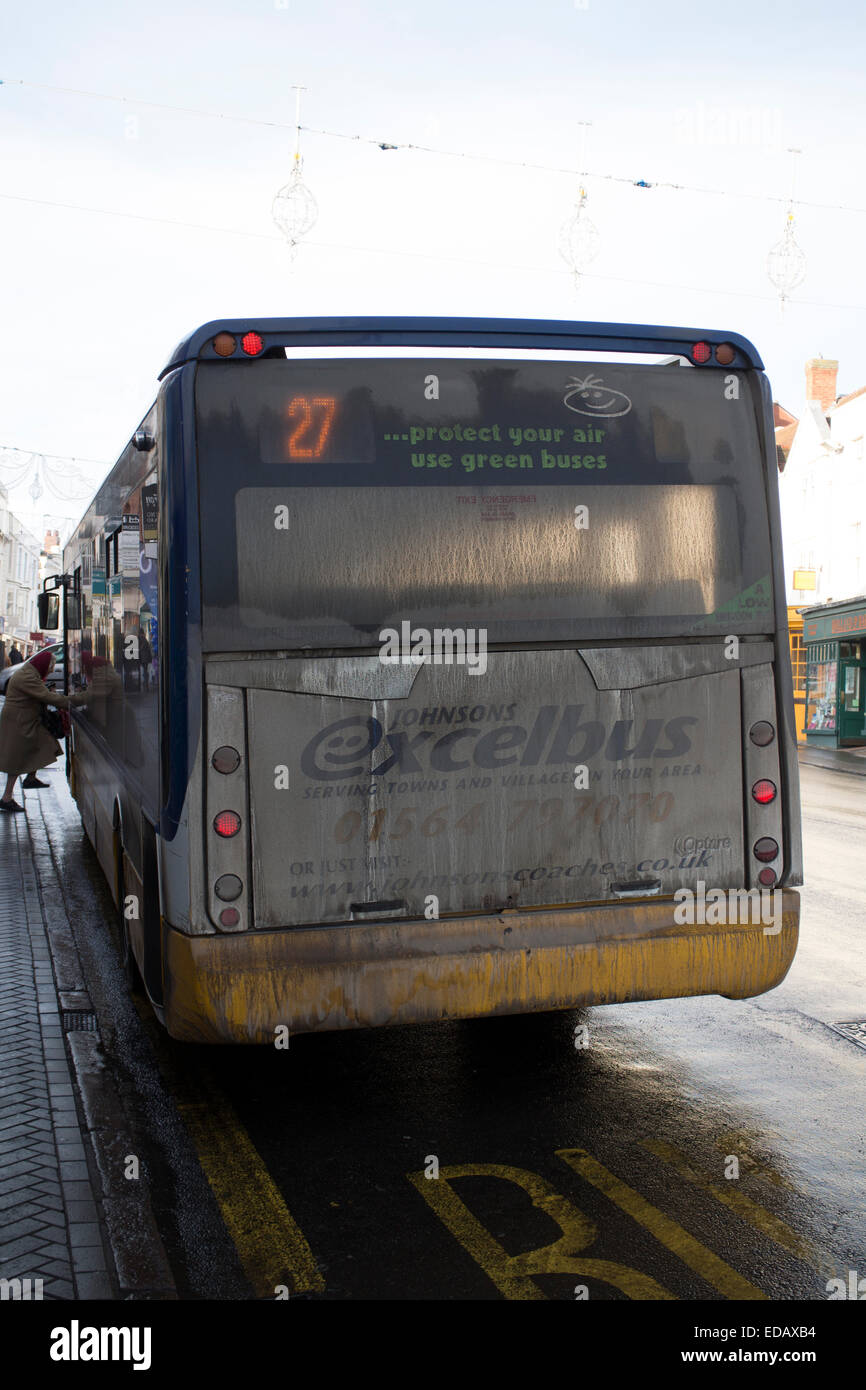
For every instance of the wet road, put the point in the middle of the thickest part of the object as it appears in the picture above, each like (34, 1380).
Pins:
(694, 1149)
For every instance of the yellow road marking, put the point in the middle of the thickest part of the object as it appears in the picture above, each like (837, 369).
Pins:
(666, 1230)
(740, 1142)
(512, 1274)
(728, 1193)
(271, 1246)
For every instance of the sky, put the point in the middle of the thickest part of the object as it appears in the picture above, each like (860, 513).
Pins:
(711, 97)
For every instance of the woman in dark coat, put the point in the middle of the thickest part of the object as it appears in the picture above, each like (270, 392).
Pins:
(25, 743)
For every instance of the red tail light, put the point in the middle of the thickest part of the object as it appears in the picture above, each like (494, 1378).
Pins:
(252, 344)
(764, 791)
(227, 823)
(701, 352)
(229, 917)
(767, 877)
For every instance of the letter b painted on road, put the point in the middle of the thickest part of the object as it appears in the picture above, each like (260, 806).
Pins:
(513, 1275)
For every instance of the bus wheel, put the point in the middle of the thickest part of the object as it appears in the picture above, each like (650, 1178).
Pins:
(127, 958)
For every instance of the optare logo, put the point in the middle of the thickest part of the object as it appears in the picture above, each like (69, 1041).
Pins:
(689, 844)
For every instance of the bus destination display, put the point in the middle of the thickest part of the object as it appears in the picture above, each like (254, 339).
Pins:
(365, 422)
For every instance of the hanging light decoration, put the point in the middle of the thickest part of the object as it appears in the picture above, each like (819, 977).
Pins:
(52, 476)
(786, 261)
(294, 208)
(578, 239)
(67, 483)
(36, 489)
(13, 471)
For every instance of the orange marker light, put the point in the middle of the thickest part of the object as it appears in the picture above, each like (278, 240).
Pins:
(224, 344)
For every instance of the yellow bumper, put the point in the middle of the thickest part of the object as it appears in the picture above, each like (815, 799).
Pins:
(240, 988)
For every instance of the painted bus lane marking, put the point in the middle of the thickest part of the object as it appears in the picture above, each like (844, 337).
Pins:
(757, 1216)
(513, 1274)
(698, 1258)
(271, 1246)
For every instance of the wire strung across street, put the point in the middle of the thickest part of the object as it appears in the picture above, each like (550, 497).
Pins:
(415, 148)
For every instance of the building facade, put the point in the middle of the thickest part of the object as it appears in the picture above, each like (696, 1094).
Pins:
(834, 636)
(19, 580)
(822, 490)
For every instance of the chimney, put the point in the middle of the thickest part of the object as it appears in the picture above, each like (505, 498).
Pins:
(821, 381)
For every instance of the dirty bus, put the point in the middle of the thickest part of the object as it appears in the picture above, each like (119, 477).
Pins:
(439, 669)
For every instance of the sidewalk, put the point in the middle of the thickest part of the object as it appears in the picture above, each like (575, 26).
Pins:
(49, 1211)
(68, 1218)
(849, 760)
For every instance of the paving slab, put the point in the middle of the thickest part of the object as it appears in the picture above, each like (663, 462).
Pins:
(57, 1101)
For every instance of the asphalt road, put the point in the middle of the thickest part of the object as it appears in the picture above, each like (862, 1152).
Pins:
(608, 1170)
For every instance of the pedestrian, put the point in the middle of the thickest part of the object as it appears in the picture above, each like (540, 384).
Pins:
(15, 657)
(25, 743)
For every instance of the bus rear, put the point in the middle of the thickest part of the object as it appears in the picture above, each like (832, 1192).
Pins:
(495, 710)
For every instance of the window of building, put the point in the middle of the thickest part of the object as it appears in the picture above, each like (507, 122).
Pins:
(798, 662)
(821, 691)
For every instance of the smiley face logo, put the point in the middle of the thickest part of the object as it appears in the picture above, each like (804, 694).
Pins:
(591, 397)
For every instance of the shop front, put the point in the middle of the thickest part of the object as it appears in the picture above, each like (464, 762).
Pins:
(834, 637)
(798, 670)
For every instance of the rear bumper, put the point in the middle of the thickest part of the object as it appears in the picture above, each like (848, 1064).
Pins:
(240, 988)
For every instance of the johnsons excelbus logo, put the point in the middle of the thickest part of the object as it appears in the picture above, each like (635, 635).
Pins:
(557, 735)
